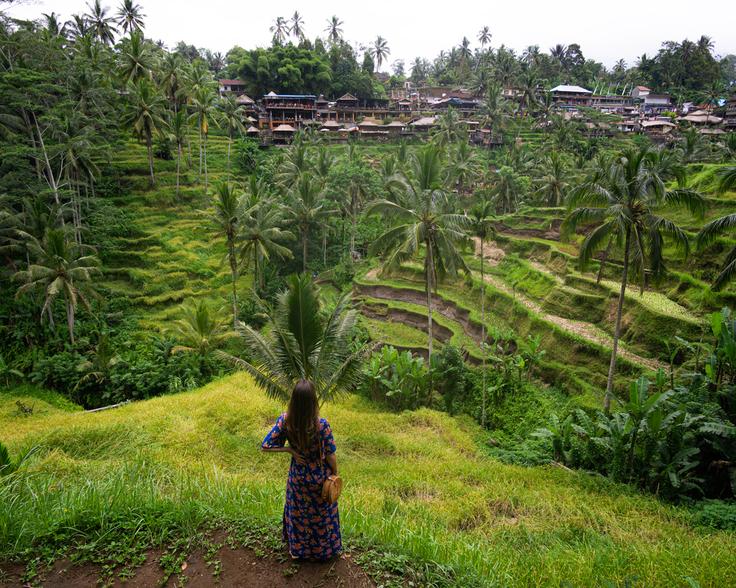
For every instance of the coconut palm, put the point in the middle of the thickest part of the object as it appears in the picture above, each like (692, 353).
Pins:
(280, 30)
(380, 51)
(507, 189)
(484, 36)
(720, 226)
(464, 166)
(232, 117)
(203, 113)
(302, 341)
(554, 181)
(297, 26)
(623, 202)
(261, 235)
(146, 115)
(423, 225)
(334, 30)
(136, 60)
(179, 130)
(306, 210)
(228, 216)
(296, 162)
(100, 23)
(481, 227)
(61, 269)
(130, 17)
(449, 129)
(202, 328)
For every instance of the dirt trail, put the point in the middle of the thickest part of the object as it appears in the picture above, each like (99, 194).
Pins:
(582, 329)
(491, 252)
(239, 567)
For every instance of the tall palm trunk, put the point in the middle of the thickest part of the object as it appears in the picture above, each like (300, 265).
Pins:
(483, 335)
(234, 277)
(70, 319)
(149, 147)
(178, 167)
(429, 284)
(304, 249)
(229, 145)
(617, 332)
(200, 150)
(205, 162)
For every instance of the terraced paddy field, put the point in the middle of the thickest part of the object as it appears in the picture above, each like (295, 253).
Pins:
(111, 487)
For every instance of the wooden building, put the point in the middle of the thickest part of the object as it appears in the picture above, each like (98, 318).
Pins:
(289, 109)
(236, 87)
(571, 97)
(283, 134)
(730, 117)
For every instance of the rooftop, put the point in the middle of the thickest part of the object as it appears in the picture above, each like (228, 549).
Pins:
(570, 89)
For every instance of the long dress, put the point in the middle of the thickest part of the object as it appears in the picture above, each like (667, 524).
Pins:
(311, 525)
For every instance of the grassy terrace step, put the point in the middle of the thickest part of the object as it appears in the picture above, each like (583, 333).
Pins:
(575, 363)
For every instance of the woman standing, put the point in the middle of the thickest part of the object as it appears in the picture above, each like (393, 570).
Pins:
(311, 524)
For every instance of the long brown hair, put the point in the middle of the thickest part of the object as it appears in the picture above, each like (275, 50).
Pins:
(302, 417)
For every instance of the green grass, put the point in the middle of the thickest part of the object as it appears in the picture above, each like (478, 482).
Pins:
(183, 460)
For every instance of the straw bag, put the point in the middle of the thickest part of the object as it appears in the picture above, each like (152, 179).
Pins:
(332, 486)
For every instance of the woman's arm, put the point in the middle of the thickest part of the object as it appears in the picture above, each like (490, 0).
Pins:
(299, 459)
(332, 462)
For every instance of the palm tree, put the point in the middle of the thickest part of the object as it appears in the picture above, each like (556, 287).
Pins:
(306, 210)
(623, 201)
(297, 25)
(203, 112)
(100, 23)
(60, 269)
(506, 189)
(296, 162)
(380, 51)
(146, 115)
(280, 30)
(484, 36)
(130, 17)
(720, 226)
(464, 166)
(179, 131)
(136, 61)
(448, 129)
(202, 329)
(554, 181)
(228, 217)
(481, 227)
(334, 30)
(423, 225)
(465, 52)
(232, 116)
(261, 234)
(302, 341)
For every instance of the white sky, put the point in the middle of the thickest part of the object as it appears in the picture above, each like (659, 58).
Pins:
(606, 31)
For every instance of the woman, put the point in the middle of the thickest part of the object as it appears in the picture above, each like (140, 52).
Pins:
(311, 525)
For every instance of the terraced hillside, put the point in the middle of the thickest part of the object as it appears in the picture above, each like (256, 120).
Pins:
(172, 254)
(147, 474)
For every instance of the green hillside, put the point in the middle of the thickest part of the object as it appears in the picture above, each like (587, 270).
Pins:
(178, 462)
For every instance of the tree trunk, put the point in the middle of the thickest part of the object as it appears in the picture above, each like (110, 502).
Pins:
(429, 282)
(149, 146)
(304, 249)
(483, 335)
(229, 145)
(205, 163)
(603, 261)
(70, 319)
(617, 332)
(234, 276)
(200, 150)
(178, 167)
(50, 178)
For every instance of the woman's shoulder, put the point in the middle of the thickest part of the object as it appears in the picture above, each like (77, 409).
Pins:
(323, 422)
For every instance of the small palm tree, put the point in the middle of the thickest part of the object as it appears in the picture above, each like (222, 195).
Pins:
(554, 181)
(146, 116)
(280, 30)
(202, 329)
(232, 117)
(303, 342)
(423, 226)
(228, 217)
(297, 26)
(721, 226)
(60, 269)
(262, 236)
(179, 131)
(100, 23)
(306, 209)
(334, 30)
(481, 227)
(484, 36)
(203, 112)
(623, 201)
(136, 61)
(507, 189)
(449, 129)
(380, 51)
(130, 17)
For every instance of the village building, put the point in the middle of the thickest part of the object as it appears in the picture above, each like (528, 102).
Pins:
(640, 92)
(236, 87)
(571, 97)
(283, 134)
(655, 104)
(658, 130)
(289, 109)
(613, 103)
(730, 117)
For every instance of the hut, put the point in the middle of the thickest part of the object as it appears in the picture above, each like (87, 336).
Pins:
(394, 128)
(657, 129)
(283, 134)
(252, 132)
(331, 125)
(423, 124)
(346, 101)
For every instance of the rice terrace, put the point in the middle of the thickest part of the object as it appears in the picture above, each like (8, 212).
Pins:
(485, 298)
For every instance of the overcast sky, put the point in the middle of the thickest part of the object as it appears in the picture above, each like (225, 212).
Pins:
(606, 31)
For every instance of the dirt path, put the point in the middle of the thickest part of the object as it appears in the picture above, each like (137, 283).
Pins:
(582, 329)
(228, 567)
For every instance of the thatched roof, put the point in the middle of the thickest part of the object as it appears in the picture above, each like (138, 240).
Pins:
(244, 99)
(657, 123)
(396, 123)
(347, 98)
(701, 119)
(284, 129)
(250, 130)
(426, 121)
(331, 124)
(367, 123)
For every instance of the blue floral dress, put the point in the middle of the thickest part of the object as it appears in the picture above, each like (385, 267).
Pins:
(311, 525)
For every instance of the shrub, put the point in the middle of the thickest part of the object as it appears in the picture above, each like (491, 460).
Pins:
(718, 514)
(246, 155)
